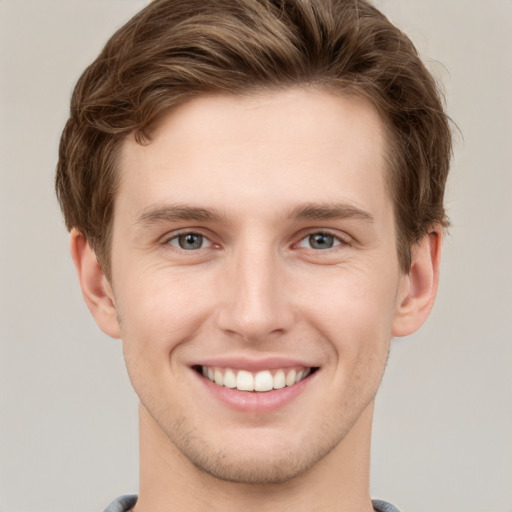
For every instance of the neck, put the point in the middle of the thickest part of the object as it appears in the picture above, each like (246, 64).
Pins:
(338, 482)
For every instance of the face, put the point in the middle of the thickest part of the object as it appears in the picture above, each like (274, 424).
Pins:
(255, 278)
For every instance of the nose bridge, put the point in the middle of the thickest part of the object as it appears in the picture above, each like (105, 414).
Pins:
(255, 305)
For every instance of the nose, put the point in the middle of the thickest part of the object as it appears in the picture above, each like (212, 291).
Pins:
(255, 305)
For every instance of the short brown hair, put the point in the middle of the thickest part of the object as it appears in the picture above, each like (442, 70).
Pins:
(174, 50)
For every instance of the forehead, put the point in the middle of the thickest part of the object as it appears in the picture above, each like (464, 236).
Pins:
(270, 150)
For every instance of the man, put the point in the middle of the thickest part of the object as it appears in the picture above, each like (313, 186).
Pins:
(254, 191)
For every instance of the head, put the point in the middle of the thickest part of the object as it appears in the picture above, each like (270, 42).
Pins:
(214, 150)
(174, 51)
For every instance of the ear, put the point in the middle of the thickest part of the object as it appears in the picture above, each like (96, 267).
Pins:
(96, 289)
(418, 288)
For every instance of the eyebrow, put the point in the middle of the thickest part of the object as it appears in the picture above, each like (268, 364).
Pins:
(321, 211)
(176, 212)
(307, 211)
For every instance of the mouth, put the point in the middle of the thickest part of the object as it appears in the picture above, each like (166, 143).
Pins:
(259, 382)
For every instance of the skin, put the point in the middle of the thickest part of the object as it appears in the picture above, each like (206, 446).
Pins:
(266, 171)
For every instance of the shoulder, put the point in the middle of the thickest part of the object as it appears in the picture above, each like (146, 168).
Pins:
(126, 502)
(383, 506)
(122, 504)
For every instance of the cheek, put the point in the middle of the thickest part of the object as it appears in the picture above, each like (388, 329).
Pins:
(362, 297)
(158, 311)
(353, 310)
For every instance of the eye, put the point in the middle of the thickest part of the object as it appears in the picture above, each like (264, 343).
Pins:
(319, 241)
(189, 241)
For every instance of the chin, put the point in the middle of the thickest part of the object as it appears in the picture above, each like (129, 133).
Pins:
(256, 470)
(261, 460)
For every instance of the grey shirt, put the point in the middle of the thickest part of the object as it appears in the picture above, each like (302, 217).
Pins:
(125, 503)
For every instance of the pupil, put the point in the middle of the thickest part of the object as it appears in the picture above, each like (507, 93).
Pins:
(190, 241)
(321, 241)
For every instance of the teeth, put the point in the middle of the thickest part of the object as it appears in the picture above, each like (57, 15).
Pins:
(290, 378)
(230, 379)
(263, 381)
(244, 380)
(279, 380)
(219, 378)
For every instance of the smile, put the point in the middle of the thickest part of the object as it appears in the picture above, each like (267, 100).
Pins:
(261, 381)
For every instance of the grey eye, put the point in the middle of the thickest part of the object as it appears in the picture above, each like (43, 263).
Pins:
(188, 241)
(321, 241)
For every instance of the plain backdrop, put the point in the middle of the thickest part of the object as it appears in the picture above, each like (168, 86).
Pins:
(68, 429)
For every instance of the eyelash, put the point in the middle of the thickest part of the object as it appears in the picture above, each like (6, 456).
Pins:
(336, 240)
(177, 237)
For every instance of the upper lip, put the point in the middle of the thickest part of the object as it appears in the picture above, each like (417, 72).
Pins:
(253, 364)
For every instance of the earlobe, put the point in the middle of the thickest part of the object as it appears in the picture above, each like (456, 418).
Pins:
(96, 289)
(419, 287)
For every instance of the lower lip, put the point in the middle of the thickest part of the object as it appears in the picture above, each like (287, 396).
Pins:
(254, 401)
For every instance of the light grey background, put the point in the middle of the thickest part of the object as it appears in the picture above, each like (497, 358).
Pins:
(443, 429)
